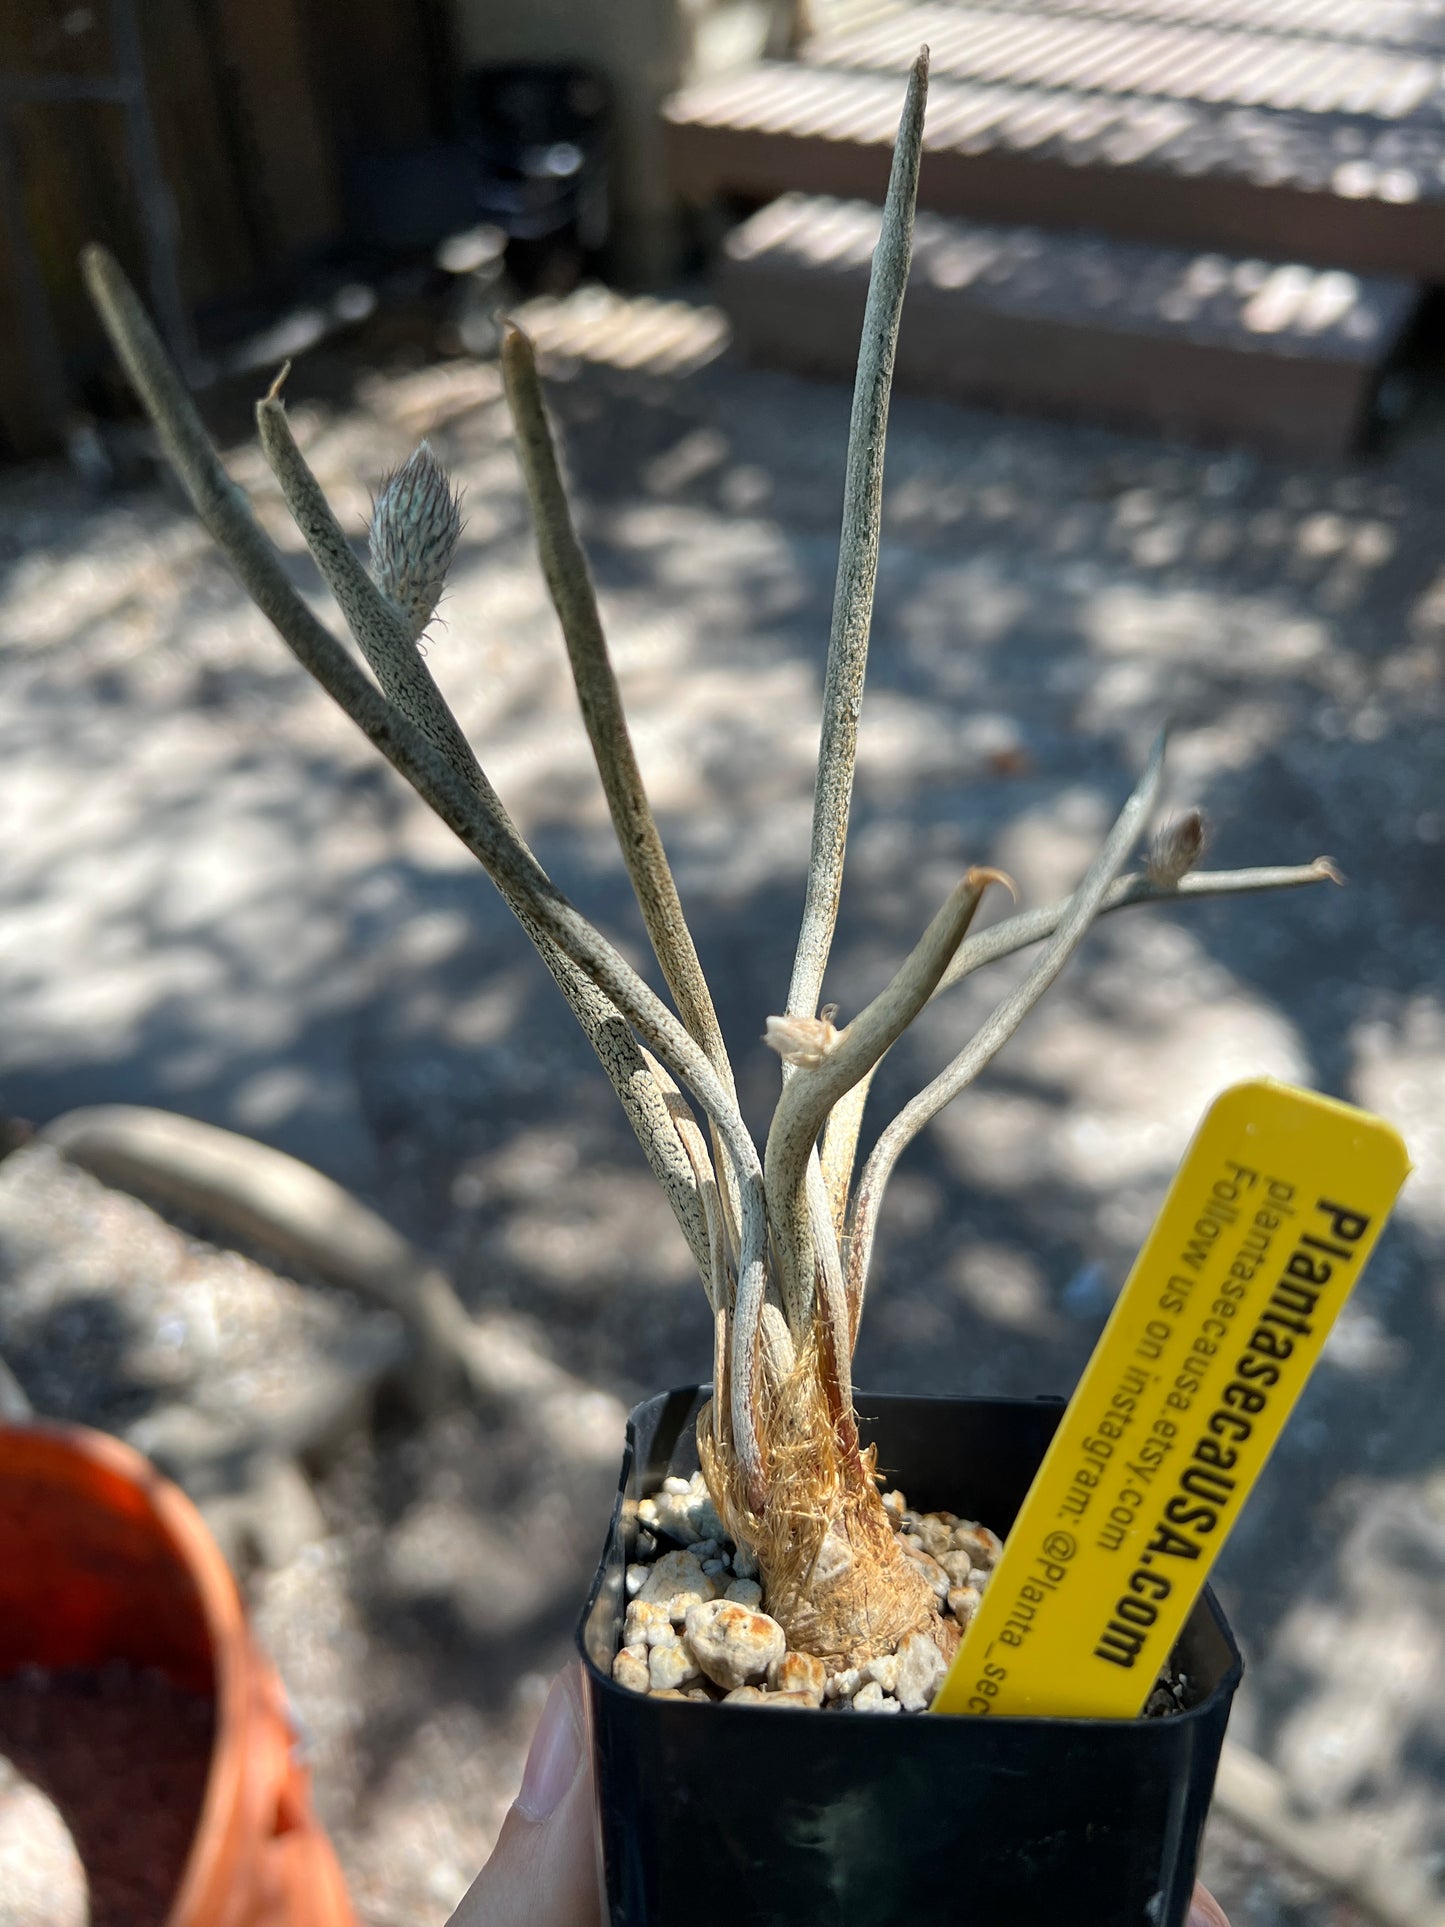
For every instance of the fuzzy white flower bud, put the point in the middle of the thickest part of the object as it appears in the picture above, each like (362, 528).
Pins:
(414, 533)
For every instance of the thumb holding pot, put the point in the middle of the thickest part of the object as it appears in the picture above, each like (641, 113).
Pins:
(544, 1869)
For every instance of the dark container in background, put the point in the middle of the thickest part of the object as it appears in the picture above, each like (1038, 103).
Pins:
(744, 1816)
(537, 132)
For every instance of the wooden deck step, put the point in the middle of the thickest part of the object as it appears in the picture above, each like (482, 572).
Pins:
(1200, 345)
(1360, 191)
(1415, 25)
(1089, 54)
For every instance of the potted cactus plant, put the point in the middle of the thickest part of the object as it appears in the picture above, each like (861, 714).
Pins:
(783, 1234)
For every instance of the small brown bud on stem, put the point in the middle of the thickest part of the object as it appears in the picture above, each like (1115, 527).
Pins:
(1176, 848)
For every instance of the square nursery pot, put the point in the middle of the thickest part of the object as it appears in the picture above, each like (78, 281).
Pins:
(748, 1817)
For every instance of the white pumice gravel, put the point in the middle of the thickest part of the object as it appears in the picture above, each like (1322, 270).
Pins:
(682, 1510)
(981, 1545)
(963, 1603)
(630, 1669)
(670, 1666)
(920, 1671)
(932, 1572)
(883, 1672)
(697, 1627)
(732, 1644)
(872, 1699)
(799, 1673)
(678, 1582)
(648, 1623)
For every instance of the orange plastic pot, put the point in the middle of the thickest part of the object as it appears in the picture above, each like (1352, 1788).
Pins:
(101, 1560)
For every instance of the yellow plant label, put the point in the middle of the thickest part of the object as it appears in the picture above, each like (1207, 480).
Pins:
(1265, 1230)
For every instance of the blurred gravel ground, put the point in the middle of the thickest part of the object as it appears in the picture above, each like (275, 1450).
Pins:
(214, 899)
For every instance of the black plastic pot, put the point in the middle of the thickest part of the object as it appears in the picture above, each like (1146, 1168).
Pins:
(742, 1816)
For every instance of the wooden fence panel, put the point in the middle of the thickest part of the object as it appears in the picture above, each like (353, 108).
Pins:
(254, 105)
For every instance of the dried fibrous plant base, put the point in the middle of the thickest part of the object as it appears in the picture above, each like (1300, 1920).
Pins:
(833, 1571)
(834, 1574)
(102, 1775)
(699, 1625)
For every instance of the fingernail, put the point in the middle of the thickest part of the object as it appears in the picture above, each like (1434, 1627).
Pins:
(556, 1752)
(1205, 1910)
